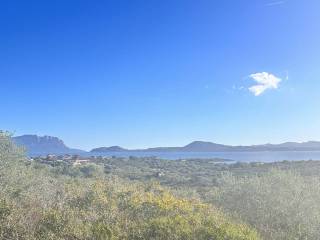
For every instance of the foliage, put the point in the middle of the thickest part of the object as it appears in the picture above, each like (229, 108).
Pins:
(39, 203)
(280, 204)
(118, 198)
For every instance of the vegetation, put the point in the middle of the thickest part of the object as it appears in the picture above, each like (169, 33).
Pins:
(148, 198)
(280, 200)
(279, 204)
(43, 202)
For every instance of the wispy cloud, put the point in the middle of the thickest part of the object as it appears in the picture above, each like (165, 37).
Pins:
(287, 75)
(270, 4)
(265, 81)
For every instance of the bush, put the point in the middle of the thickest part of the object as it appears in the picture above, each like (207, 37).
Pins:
(46, 205)
(279, 204)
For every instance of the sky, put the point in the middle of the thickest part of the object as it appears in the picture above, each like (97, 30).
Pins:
(161, 73)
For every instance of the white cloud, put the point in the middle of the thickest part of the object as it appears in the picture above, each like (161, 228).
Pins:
(265, 81)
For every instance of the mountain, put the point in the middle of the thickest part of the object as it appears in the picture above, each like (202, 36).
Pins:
(200, 146)
(290, 146)
(36, 145)
(196, 146)
(109, 149)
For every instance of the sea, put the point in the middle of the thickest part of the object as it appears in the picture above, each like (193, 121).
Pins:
(261, 156)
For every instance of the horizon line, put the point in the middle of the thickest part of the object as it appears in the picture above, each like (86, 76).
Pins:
(182, 145)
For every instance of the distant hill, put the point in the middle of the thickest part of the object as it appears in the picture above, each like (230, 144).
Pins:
(109, 149)
(200, 146)
(36, 145)
(196, 146)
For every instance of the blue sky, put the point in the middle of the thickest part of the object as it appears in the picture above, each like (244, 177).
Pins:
(161, 73)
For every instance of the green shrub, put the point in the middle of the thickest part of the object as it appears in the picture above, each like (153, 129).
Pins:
(48, 205)
(279, 204)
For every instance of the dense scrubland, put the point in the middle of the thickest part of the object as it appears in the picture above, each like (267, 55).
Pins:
(39, 203)
(147, 198)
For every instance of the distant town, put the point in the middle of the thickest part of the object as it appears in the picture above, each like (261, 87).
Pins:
(77, 160)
